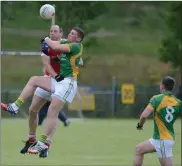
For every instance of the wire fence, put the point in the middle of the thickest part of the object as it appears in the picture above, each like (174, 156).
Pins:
(107, 102)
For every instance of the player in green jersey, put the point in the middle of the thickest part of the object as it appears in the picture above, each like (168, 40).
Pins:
(63, 86)
(165, 108)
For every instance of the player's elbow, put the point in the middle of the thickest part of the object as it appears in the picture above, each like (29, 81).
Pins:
(144, 116)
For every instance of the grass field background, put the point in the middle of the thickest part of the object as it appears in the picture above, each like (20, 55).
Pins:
(86, 143)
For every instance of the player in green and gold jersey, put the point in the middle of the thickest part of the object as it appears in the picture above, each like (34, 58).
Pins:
(166, 108)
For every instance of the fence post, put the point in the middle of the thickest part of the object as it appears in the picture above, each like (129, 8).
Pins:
(54, 17)
(113, 96)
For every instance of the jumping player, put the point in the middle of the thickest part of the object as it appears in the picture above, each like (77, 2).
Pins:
(166, 108)
(63, 86)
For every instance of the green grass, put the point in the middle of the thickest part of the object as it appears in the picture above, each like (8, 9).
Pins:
(16, 70)
(127, 45)
(125, 42)
(20, 43)
(90, 142)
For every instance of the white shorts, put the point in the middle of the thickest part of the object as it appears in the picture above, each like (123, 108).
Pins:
(43, 93)
(163, 147)
(64, 90)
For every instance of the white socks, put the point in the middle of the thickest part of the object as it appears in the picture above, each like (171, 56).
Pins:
(15, 107)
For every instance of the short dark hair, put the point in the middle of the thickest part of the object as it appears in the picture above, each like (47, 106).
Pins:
(168, 83)
(80, 32)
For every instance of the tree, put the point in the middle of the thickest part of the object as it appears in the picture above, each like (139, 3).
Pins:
(171, 50)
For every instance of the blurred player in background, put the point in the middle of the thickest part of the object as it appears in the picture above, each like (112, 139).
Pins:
(62, 86)
(166, 108)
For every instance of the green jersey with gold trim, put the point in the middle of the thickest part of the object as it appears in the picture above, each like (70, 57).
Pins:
(166, 110)
(70, 61)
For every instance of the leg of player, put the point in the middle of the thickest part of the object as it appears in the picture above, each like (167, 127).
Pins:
(164, 151)
(33, 83)
(44, 153)
(64, 118)
(166, 161)
(43, 113)
(141, 149)
(51, 123)
(64, 92)
(50, 136)
(37, 103)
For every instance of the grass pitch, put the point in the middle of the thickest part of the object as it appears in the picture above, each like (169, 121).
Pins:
(85, 143)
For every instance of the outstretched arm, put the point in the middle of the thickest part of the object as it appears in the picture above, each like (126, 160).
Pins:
(57, 46)
(145, 114)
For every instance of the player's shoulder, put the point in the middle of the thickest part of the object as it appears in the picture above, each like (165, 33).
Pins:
(63, 41)
(76, 46)
(158, 96)
(178, 100)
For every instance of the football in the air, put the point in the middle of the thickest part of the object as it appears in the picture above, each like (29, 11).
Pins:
(47, 11)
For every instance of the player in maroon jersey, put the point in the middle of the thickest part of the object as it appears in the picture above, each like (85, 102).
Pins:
(54, 35)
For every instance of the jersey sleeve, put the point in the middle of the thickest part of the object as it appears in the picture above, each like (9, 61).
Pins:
(152, 103)
(74, 48)
(43, 49)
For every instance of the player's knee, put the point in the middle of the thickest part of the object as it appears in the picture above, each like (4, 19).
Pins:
(33, 80)
(138, 149)
(33, 111)
(53, 112)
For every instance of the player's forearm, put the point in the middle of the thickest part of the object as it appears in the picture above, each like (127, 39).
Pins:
(50, 70)
(145, 114)
(142, 120)
(57, 46)
(50, 43)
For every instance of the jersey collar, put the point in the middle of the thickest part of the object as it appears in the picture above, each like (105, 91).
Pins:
(167, 93)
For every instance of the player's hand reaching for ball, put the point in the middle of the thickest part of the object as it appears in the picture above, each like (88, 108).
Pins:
(139, 127)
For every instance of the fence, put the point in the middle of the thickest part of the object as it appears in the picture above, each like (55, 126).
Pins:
(107, 103)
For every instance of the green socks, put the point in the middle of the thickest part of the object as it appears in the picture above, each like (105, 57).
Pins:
(19, 102)
(43, 138)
